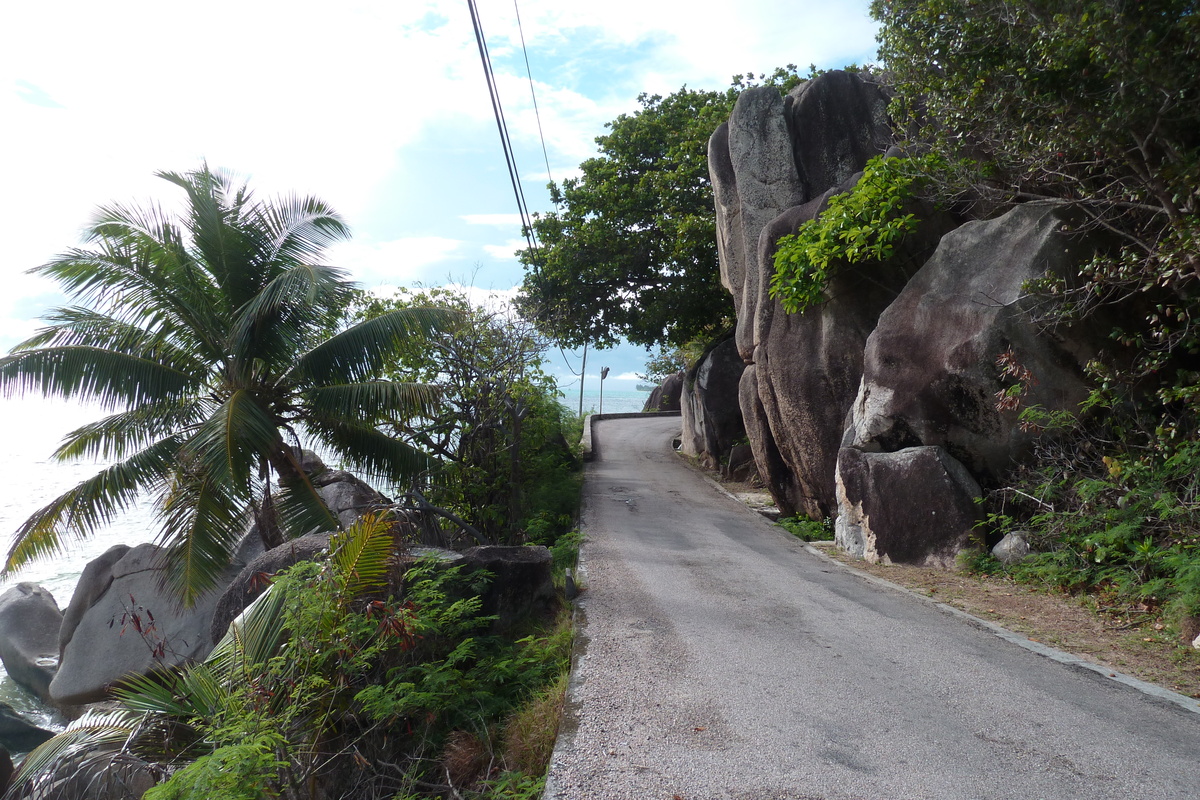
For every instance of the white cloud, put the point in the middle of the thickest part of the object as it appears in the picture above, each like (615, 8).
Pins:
(508, 250)
(396, 262)
(508, 220)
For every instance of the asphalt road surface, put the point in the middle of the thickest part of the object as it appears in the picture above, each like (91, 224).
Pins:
(721, 659)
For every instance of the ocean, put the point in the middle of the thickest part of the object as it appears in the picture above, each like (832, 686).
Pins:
(31, 428)
(614, 401)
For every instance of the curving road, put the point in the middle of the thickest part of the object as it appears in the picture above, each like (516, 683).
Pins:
(722, 659)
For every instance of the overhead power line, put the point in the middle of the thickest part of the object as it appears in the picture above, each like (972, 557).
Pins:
(502, 127)
(536, 113)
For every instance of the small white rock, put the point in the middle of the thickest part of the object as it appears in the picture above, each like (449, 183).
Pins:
(1012, 548)
(1196, 642)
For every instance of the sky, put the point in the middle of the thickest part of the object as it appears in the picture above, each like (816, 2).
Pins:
(379, 108)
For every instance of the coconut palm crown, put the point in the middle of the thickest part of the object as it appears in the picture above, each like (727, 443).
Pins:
(205, 337)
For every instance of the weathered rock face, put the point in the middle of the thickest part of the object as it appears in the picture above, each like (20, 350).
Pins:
(666, 396)
(29, 623)
(122, 621)
(930, 384)
(253, 579)
(347, 496)
(774, 166)
(754, 178)
(930, 375)
(522, 582)
(712, 416)
(741, 467)
(916, 506)
(17, 734)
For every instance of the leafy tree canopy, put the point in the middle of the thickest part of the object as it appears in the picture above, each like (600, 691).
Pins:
(631, 250)
(496, 427)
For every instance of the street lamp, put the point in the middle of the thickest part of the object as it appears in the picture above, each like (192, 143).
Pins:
(603, 375)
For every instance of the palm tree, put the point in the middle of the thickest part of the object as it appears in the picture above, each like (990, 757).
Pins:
(206, 338)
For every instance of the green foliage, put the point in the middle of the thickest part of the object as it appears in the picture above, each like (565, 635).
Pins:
(242, 771)
(665, 363)
(497, 430)
(1119, 520)
(630, 251)
(808, 530)
(1087, 103)
(206, 336)
(327, 681)
(864, 224)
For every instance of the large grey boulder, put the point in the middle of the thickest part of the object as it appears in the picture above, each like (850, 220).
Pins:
(754, 178)
(666, 396)
(774, 167)
(930, 374)
(837, 122)
(29, 623)
(915, 506)
(17, 734)
(348, 496)
(522, 583)
(712, 415)
(930, 377)
(254, 578)
(123, 621)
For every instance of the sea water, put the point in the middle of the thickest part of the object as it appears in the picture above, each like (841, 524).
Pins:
(614, 401)
(30, 430)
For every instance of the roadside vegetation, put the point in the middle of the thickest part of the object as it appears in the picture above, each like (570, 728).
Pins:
(220, 346)
(336, 684)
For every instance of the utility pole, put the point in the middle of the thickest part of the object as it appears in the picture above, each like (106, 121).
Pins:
(582, 375)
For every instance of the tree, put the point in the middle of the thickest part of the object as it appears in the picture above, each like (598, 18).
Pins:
(205, 335)
(631, 252)
(496, 427)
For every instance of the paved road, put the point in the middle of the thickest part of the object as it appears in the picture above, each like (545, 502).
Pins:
(723, 660)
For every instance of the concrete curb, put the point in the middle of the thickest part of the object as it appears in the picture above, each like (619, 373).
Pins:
(1054, 654)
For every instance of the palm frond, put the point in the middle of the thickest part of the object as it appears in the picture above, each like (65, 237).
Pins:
(92, 503)
(252, 638)
(298, 504)
(373, 400)
(117, 434)
(215, 208)
(77, 326)
(94, 732)
(303, 226)
(109, 377)
(362, 553)
(194, 692)
(141, 272)
(362, 351)
(370, 451)
(283, 316)
(202, 522)
(234, 440)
